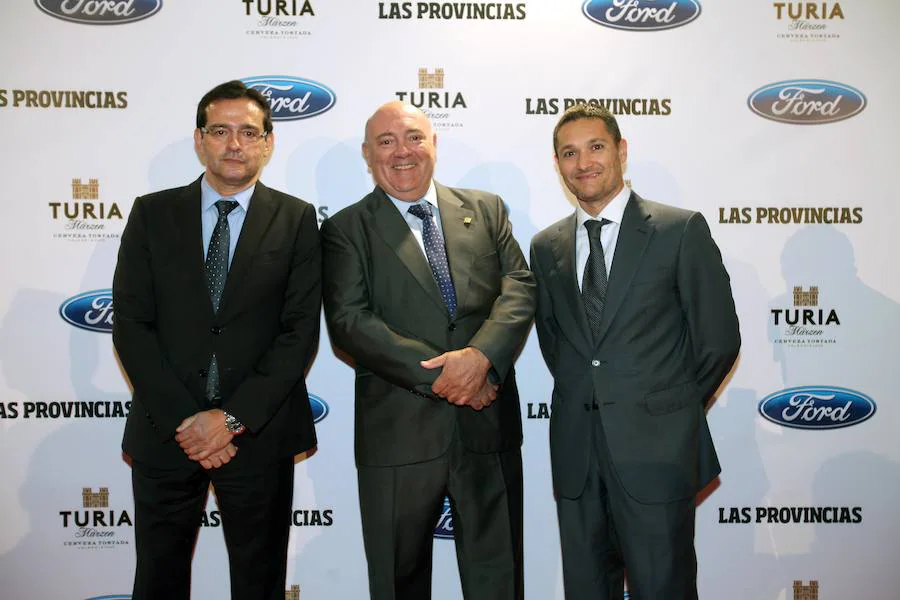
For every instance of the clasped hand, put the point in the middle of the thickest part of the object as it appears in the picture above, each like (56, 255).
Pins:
(463, 379)
(204, 439)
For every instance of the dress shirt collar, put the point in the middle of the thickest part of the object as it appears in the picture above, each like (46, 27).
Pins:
(430, 197)
(613, 211)
(209, 196)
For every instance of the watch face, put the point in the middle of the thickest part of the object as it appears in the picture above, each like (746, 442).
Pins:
(232, 424)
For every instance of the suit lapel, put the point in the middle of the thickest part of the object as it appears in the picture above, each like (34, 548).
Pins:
(393, 229)
(260, 214)
(186, 220)
(574, 320)
(458, 224)
(634, 236)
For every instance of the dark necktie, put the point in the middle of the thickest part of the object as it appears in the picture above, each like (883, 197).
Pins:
(437, 255)
(216, 273)
(593, 286)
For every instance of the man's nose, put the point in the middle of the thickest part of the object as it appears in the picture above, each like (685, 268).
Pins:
(583, 161)
(233, 143)
(402, 149)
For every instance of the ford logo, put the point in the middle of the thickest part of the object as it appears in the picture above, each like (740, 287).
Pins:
(642, 15)
(100, 12)
(291, 97)
(443, 530)
(817, 407)
(319, 408)
(91, 310)
(807, 101)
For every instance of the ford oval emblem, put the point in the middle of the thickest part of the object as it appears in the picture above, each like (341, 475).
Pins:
(443, 530)
(291, 97)
(807, 101)
(817, 407)
(319, 408)
(100, 12)
(91, 310)
(641, 15)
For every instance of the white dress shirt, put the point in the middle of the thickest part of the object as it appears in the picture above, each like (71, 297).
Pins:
(609, 235)
(414, 222)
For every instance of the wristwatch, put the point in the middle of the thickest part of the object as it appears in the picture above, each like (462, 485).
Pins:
(232, 425)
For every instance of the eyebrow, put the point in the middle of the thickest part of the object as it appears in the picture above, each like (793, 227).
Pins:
(589, 142)
(388, 134)
(228, 126)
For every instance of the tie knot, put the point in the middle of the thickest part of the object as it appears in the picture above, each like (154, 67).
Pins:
(423, 210)
(225, 206)
(594, 227)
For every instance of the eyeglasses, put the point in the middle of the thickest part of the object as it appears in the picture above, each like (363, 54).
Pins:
(245, 135)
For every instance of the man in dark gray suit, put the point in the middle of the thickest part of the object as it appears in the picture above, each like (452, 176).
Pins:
(637, 325)
(428, 292)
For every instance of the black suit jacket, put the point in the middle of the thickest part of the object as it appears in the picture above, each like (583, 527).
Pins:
(264, 334)
(384, 309)
(669, 337)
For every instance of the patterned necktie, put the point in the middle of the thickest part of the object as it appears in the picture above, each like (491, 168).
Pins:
(216, 273)
(437, 255)
(593, 286)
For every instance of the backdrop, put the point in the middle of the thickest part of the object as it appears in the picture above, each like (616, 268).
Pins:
(774, 119)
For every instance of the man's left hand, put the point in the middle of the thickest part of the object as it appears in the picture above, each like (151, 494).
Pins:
(463, 375)
(203, 434)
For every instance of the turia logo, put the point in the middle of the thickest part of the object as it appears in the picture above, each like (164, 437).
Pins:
(96, 525)
(319, 408)
(90, 310)
(807, 101)
(443, 529)
(817, 407)
(292, 98)
(100, 12)
(806, 591)
(641, 15)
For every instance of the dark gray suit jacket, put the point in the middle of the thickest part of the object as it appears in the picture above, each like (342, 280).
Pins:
(669, 337)
(264, 334)
(383, 308)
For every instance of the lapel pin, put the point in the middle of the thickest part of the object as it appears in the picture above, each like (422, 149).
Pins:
(467, 221)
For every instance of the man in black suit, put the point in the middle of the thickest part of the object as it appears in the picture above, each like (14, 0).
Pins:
(637, 325)
(217, 296)
(428, 292)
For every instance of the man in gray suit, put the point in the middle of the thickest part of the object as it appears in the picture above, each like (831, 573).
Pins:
(428, 292)
(637, 325)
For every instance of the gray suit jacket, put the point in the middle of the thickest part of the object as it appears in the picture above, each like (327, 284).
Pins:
(383, 308)
(669, 337)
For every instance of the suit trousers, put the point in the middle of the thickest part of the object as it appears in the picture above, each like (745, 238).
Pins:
(255, 507)
(400, 507)
(606, 535)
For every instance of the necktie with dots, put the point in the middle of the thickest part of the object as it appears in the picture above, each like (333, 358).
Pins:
(437, 255)
(593, 285)
(216, 273)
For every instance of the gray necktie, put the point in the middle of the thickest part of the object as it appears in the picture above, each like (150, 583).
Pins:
(437, 255)
(216, 273)
(593, 286)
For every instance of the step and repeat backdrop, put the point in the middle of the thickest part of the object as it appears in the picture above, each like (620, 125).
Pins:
(776, 119)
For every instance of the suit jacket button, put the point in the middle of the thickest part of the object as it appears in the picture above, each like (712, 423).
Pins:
(595, 363)
(451, 327)
(215, 330)
(587, 407)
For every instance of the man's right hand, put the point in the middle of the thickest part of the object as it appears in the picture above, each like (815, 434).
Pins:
(485, 396)
(220, 458)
